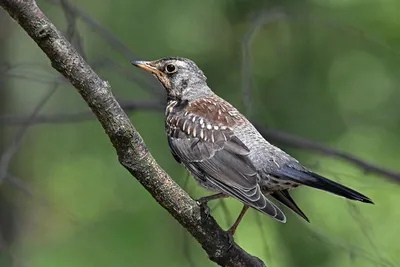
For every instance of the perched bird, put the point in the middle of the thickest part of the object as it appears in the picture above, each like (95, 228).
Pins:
(223, 151)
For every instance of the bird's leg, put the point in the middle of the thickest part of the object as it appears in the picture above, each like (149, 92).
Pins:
(204, 200)
(238, 220)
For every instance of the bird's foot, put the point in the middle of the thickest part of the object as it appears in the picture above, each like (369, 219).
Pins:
(231, 239)
(204, 200)
(204, 207)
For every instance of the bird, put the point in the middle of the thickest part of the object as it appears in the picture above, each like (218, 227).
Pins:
(223, 150)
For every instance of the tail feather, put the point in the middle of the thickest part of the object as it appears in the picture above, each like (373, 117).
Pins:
(284, 197)
(317, 181)
(256, 200)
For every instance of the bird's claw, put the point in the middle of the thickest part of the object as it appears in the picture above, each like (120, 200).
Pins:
(231, 240)
(202, 200)
(204, 207)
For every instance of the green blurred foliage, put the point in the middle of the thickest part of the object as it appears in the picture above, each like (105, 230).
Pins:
(316, 72)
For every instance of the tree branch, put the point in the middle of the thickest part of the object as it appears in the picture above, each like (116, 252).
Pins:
(131, 150)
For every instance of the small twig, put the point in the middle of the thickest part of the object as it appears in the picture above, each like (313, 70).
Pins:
(262, 19)
(12, 149)
(352, 250)
(299, 142)
(4, 248)
(106, 34)
(364, 226)
(149, 85)
(80, 116)
(72, 33)
(18, 183)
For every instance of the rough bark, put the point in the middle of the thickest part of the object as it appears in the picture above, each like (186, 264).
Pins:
(132, 151)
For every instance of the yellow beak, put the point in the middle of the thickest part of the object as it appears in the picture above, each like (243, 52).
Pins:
(147, 66)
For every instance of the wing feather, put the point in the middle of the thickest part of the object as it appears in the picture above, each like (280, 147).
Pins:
(213, 154)
(226, 166)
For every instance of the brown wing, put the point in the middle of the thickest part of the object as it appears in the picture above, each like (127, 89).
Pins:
(211, 151)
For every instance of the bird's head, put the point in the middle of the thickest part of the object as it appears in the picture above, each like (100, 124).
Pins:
(181, 77)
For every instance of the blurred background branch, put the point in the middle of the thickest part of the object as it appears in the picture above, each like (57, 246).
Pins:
(273, 135)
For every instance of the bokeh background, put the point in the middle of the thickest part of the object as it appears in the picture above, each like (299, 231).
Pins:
(325, 70)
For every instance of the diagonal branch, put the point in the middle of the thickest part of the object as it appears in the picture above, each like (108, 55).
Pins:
(132, 152)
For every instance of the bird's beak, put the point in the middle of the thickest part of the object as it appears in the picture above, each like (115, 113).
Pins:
(146, 65)
(151, 66)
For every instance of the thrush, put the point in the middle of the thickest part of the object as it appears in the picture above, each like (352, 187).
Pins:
(223, 151)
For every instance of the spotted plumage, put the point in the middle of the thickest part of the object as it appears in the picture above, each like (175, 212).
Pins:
(223, 151)
(190, 119)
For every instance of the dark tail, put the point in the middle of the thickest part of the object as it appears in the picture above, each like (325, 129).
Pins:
(317, 181)
(284, 197)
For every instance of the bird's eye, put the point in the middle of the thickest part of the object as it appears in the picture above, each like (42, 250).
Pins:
(170, 68)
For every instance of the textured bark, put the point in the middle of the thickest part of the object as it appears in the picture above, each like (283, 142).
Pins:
(132, 151)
